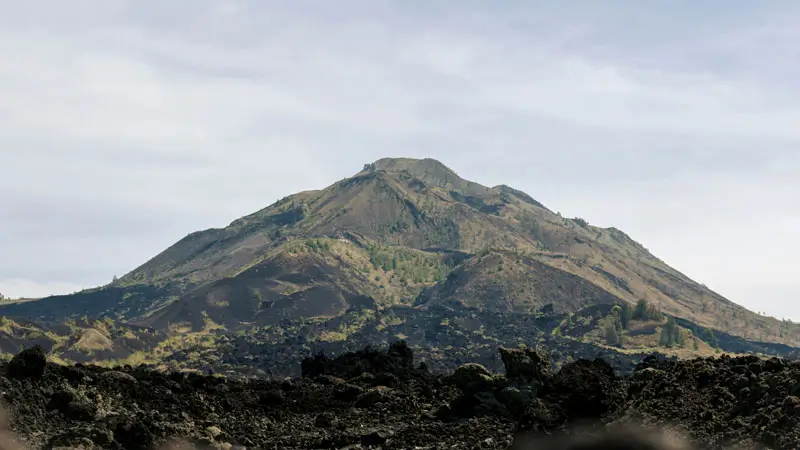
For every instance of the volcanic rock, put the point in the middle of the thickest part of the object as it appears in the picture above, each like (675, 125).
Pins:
(28, 364)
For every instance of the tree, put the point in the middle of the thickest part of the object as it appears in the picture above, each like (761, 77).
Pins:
(645, 311)
(671, 334)
(2, 297)
(709, 337)
(580, 221)
(625, 315)
(640, 312)
(664, 341)
(611, 334)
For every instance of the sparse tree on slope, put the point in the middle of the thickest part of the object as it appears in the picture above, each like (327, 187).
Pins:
(645, 311)
(625, 315)
(611, 334)
(671, 334)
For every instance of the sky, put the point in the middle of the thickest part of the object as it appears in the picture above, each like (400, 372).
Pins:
(125, 125)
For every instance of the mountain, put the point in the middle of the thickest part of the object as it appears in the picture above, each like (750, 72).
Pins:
(402, 238)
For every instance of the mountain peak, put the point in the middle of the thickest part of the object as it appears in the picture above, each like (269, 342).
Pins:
(409, 164)
(424, 167)
(428, 170)
(404, 239)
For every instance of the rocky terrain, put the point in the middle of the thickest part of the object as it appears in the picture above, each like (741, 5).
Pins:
(384, 399)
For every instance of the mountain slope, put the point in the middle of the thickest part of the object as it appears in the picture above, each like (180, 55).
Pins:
(400, 232)
(507, 282)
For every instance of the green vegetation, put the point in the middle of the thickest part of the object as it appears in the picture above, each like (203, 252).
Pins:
(621, 317)
(347, 328)
(615, 324)
(625, 315)
(646, 311)
(612, 334)
(408, 265)
(671, 335)
(581, 222)
(708, 336)
(318, 244)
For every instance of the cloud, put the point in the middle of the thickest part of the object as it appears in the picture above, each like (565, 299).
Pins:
(126, 125)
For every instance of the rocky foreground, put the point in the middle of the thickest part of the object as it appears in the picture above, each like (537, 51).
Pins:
(381, 399)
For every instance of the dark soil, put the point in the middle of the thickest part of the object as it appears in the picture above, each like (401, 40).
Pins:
(383, 399)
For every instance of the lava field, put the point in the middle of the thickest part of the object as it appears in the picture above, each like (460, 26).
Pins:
(382, 399)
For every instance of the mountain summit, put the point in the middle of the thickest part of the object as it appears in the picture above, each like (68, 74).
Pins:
(424, 169)
(429, 171)
(401, 233)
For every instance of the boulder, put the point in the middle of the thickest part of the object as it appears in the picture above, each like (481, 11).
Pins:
(515, 399)
(118, 377)
(526, 363)
(373, 396)
(73, 405)
(472, 378)
(28, 364)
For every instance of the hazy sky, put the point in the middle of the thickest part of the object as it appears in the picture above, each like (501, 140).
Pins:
(125, 125)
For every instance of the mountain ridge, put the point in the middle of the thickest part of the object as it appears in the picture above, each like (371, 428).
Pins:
(402, 233)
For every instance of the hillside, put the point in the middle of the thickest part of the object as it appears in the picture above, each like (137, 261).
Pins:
(401, 235)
